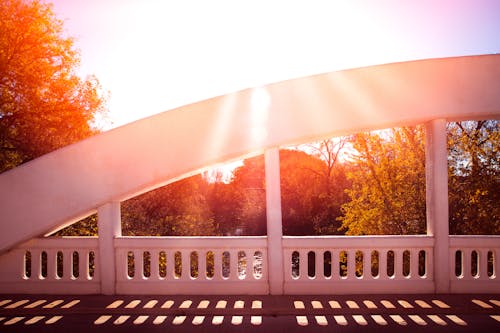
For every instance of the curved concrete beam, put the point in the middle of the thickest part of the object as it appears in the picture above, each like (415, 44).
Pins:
(65, 185)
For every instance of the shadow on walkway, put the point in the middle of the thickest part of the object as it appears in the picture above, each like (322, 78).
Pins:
(341, 313)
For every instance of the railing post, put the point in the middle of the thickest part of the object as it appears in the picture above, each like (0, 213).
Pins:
(274, 222)
(436, 174)
(109, 227)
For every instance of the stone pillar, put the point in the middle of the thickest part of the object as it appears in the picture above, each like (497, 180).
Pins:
(436, 171)
(274, 223)
(109, 227)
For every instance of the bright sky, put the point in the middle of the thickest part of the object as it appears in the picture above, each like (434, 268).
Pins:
(155, 55)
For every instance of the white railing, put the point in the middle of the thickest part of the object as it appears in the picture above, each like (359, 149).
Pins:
(474, 263)
(239, 265)
(191, 265)
(365, 264)
(52, 265)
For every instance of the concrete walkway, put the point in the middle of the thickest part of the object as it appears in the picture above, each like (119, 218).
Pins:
(336, 313)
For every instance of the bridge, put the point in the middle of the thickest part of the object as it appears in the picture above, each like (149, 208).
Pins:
(95, 175)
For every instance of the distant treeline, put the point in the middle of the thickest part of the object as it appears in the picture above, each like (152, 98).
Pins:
(367, 183)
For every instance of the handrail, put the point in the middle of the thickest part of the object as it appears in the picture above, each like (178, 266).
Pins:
(358, 241)
(312, 264)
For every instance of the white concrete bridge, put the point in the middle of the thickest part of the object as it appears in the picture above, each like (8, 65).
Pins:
(95, 175)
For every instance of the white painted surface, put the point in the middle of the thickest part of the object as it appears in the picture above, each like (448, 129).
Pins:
(63, 186)
(97, 173)
(12, 279)
(109, 227)
(274, 221)
(12, 264)
(239, 277)
(436, 173)
(482, 282)
(335, 283)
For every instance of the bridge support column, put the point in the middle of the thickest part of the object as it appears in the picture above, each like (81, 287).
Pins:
(274, 222)
(436, 170)
(109, 227)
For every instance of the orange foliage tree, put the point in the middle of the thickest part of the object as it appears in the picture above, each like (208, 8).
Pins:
(177, 209)
(44, 104)
(312, 190)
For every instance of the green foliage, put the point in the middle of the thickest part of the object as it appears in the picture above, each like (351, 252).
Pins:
(44, 105)
(474, 177)
(388, 183)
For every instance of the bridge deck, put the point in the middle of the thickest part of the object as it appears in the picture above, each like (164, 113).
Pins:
(304, 313)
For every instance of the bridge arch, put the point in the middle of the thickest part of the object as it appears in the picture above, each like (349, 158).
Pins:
(70, 183)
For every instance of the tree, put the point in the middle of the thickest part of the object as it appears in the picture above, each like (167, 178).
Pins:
(312, 188)
(474, 177)
(248, 189)
(300, 191)
(226, 203)
(334, 182)
(44, 105)
(388, 183)
(177, 209)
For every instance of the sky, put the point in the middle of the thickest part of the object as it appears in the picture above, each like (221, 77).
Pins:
(155, 55)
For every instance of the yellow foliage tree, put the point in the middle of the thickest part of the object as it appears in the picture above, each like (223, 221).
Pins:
(388, 183)
(474, 177)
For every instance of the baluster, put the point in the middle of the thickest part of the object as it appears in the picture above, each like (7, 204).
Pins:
(398, 264)
(303, 262)
(154, 264)
(186, 265)
(319, 263)
(202, 264)
(51, 264)
(351, 264)
(483, 263)
(382, 266)
(217, 264)
(67, 264)
(233, 265)
(335, 265)
(367, 264)
(36, 263)
(414, 257)
(467, 264)
(121, 264)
